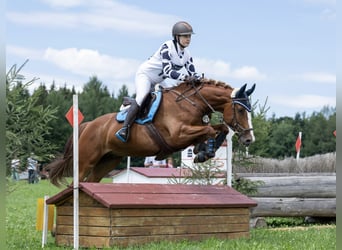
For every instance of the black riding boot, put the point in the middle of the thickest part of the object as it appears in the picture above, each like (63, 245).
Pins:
(123, 133)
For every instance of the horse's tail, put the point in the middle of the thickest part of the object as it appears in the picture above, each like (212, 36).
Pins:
(63, 167)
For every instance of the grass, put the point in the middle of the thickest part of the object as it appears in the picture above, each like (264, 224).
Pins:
(21, 232)
(325, 163)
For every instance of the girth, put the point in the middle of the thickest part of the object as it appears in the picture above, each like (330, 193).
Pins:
(165, 149)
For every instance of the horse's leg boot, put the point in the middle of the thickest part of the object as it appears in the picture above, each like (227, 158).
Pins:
(123, 133)
(211, 148)
(199, 147)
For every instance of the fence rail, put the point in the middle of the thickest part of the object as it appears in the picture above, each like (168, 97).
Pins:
(294, 195)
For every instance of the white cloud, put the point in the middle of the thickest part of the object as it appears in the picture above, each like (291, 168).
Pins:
(79, 65)
(58, 3)
(26, 53)
(87, 62)
(319, 77)
(304, 101)
(219, 69)
(97, 15)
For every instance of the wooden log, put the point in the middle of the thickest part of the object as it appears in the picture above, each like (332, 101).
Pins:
(296, 186)
(294, 207)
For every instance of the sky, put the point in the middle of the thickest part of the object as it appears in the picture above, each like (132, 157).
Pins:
(288, 47)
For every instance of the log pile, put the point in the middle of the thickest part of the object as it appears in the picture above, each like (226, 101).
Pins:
(311, 195)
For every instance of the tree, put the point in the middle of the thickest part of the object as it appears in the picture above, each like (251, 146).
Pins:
(95, 100)
(27, 123)
(261, 130)
(61, 100)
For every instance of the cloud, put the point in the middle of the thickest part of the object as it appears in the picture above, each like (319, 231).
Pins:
(220, 69)
(86, 62)
(24, 52)
(79, 65)
(304, 101)
(96, 15)
(58, 3)
(318, 77)
(83, 62)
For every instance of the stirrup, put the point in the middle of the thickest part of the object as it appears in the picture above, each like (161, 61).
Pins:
(120, 137)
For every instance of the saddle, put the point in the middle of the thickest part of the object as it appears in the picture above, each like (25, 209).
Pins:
(147, 111)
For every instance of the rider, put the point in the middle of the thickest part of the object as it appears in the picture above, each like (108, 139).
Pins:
(167, 61)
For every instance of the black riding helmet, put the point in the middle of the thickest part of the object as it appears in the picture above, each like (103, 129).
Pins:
(181, 28)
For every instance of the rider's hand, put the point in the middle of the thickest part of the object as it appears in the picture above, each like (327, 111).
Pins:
(194, 78)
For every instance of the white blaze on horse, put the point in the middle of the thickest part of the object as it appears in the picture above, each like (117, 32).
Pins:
(176, 124)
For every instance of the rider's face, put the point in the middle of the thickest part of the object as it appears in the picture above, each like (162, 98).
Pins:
(185, 40)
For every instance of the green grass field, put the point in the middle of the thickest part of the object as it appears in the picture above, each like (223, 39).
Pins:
(21, 231)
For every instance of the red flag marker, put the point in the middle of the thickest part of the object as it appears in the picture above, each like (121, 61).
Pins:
(70, 117)
(298, 143)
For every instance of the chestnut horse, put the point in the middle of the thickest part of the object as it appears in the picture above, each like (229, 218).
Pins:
(178, 123)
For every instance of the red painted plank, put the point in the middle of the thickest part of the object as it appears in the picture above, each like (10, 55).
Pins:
(159, 195)
(154, 188)
(172, 200)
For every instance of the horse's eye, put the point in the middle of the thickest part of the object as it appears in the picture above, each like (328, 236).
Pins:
(241, 111)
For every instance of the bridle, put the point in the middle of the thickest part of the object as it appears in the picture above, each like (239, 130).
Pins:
(236, 127)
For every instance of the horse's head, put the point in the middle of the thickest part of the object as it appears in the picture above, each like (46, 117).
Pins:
(237, 114)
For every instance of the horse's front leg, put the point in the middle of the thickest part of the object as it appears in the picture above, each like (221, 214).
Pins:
(207, 150)
(222, 132)
(196, 134)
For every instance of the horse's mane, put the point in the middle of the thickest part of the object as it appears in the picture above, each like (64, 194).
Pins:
(204, 81)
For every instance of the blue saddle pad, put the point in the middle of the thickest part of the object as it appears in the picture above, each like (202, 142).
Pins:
(121, 116)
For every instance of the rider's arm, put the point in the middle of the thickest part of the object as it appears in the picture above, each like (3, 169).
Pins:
(167, 68)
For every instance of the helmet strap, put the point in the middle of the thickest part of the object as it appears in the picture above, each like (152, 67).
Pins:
(178, 41)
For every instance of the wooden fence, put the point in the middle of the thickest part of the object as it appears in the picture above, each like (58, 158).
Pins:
(299, 195)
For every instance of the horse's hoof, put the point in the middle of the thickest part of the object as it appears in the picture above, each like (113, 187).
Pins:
(200, 157)
(196, 149)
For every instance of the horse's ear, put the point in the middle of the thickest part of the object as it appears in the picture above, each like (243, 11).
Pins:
(251, 90)
(241, 90)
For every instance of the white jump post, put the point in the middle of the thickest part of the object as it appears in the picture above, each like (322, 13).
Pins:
(128, 168)
(45, 222)
(299, 140)
(229, 156)
(76, 184)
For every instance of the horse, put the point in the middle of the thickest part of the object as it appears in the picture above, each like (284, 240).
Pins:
(182, 119)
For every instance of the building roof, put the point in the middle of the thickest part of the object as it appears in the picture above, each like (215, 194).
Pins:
(124, 195)
(162, 172)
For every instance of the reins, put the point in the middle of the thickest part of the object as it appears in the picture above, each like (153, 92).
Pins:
(182, 96)
(196, 90)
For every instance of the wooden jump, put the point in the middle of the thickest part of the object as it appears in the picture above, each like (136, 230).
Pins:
(128, 214)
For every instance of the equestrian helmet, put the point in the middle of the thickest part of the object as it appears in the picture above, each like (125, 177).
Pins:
(182, 28)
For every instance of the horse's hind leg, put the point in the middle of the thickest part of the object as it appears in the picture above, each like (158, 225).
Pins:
(103, 167)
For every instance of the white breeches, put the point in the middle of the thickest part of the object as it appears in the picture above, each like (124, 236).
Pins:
(142, 87)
